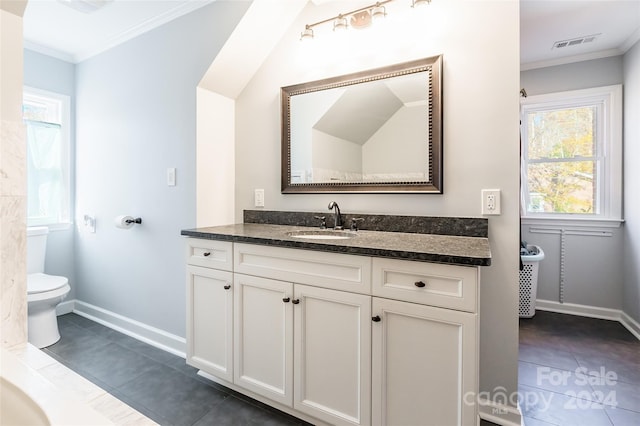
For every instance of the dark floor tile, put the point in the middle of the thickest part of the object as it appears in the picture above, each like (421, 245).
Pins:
(621, 417)
(113, 364)
(79, 320)
(172, 395)
(74, 339)
(619, 395)
(624, 370)
(529, 421)
(548, 356)
(233, 411)
(551, 379)
(559, 409)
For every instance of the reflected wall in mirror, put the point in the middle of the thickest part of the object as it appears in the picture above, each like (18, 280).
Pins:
(373, 131)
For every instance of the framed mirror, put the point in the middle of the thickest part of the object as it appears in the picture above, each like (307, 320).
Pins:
(373, 131)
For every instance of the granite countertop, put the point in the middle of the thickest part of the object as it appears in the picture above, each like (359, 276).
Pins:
(473, 251)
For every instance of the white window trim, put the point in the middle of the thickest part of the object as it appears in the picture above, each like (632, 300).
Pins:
(611, 204)
(65, 129)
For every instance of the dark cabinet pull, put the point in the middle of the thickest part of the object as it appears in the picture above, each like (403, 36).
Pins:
(227, 287)
(420, 284)
(376, 318)
(286, 300)
(206, 254)
(295, 301)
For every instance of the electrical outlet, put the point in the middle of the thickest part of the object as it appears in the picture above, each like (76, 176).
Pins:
(490, 201)
(258, 198)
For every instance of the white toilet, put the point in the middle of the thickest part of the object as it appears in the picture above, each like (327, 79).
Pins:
(45, 292)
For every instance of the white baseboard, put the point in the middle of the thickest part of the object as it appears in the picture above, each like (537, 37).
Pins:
(65, 307)
(591, 312)
(632, 325)
(498, 413)
(154, 336)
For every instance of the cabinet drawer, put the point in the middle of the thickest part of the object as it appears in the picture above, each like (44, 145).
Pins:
(447, 286)
(210, 253)
(330, 270)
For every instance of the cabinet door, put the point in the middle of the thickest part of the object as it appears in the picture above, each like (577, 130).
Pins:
(424, 363)
(263, 337)
(210, 321)
(332, 355)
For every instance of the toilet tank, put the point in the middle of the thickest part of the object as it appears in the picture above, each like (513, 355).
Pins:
(36, 248)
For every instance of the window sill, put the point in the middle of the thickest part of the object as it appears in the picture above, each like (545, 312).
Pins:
(54, 226)
(581, 222)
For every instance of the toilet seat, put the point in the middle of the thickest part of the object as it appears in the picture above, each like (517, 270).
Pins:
(42, 283)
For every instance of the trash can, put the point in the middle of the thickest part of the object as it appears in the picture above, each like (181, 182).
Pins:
(531, 256)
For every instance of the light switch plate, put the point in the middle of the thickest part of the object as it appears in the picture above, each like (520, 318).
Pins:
(258, 198)
(171, 176)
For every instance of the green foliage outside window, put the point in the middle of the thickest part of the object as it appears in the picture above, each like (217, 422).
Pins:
(562, 160)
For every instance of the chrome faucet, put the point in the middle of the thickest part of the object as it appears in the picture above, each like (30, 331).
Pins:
(338, 219)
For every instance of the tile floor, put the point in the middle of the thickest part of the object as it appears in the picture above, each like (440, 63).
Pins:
(154, 382)
(572, 371)
(578, 371)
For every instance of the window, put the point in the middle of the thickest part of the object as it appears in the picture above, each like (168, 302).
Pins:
(46, 116)
(572, 154)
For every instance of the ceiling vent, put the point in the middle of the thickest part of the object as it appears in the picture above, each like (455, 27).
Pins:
(575, 41)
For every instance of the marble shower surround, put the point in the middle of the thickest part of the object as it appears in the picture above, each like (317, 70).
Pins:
(13, 238)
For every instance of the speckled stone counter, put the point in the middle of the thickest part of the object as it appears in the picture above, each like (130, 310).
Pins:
(462, 250)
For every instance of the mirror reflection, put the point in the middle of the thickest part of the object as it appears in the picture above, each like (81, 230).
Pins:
(373, 131)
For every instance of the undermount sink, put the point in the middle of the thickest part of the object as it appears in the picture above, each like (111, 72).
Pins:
(323, 234)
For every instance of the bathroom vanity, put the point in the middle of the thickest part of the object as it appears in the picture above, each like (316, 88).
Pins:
(371, 327)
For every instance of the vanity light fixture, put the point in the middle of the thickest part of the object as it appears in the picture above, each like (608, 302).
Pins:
(358, 18)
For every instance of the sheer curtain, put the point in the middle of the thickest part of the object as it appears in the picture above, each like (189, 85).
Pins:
(44, 172)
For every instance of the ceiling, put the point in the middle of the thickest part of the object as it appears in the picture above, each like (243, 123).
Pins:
(54, 28)
(57, 28)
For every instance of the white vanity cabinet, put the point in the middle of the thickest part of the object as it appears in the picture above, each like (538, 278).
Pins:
(210, 306)
(301, 342)
(305, 347)
(424, 343)
(336, 338)
(263, 344)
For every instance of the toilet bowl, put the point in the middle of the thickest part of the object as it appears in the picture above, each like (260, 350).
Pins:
(44, 292)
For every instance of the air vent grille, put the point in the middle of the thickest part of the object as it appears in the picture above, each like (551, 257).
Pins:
(575, 41)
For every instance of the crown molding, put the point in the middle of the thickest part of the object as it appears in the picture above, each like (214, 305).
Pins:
(571, 59)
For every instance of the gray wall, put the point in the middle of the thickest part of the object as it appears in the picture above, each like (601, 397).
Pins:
(136, 116)
(47, 73)
(593, 264)
(631, 182)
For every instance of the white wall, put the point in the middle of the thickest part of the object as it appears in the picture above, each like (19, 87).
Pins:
(631, 252)
(381, 157)
(481, 149)
(54, 75)
(593, 264)
(136, 116)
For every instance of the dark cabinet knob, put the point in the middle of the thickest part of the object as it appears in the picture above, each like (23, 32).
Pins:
(420, 284)
(227, 287)
(376, 318)
(286, 300)
(295, 301)
(206, 254)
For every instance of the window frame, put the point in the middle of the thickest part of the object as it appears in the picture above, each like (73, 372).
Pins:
(65, 219)
(608, 155)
